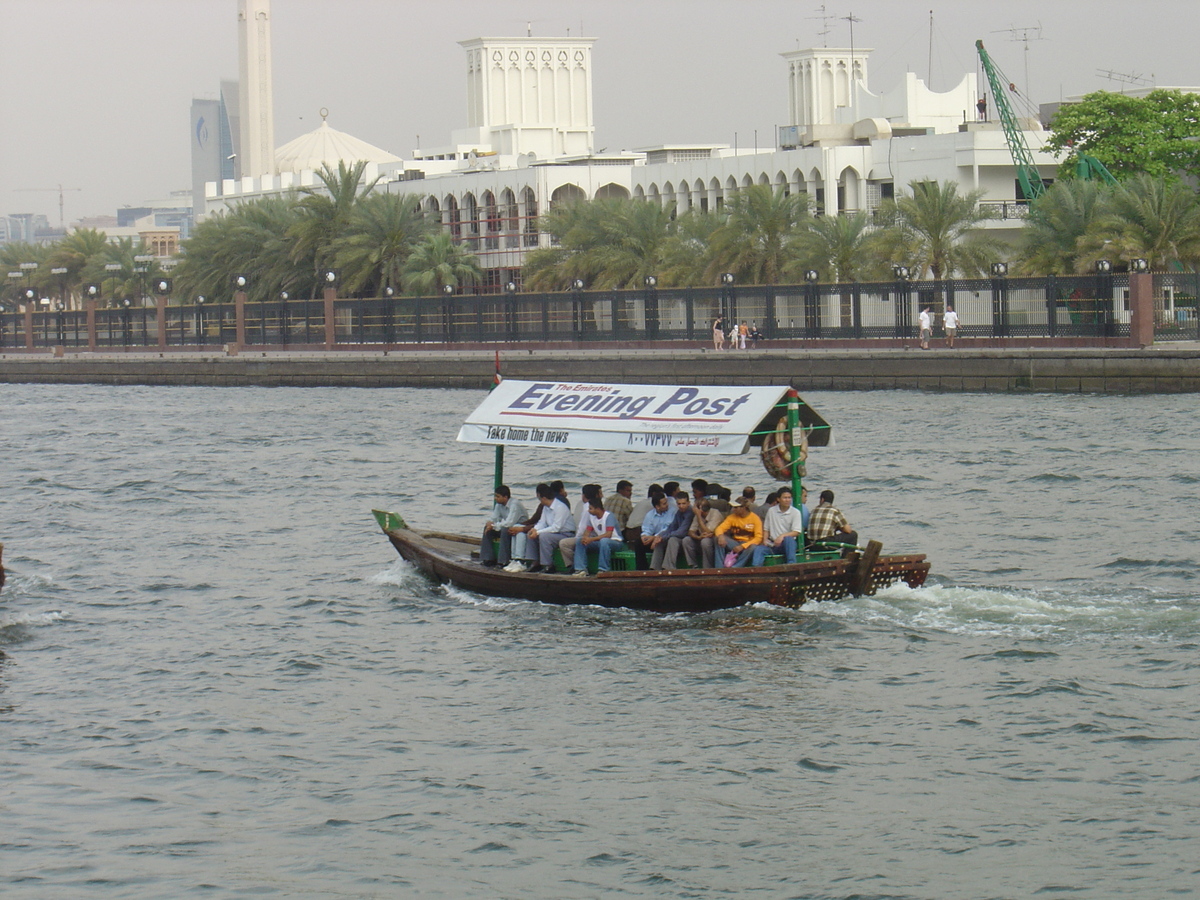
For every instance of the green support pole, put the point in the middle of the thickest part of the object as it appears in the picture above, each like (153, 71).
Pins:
(793, 414)
(499, 467)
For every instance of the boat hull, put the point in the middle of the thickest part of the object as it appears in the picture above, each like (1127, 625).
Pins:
(448, 558)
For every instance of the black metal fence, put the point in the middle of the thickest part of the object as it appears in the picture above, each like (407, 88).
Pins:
(1091, 307)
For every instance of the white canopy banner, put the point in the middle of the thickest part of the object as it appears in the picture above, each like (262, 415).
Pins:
(638, 417)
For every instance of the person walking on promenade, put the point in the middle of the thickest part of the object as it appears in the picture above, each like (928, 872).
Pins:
(950, 323)
(926, 323)
(718, 333)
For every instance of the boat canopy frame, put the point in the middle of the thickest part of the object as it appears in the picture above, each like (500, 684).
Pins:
(698, 419)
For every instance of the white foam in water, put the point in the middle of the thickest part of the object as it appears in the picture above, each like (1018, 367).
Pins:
(400, 573)
(34, 619)
(1033, 614)
(462, 596)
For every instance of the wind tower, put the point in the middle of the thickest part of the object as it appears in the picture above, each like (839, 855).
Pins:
(256, 147)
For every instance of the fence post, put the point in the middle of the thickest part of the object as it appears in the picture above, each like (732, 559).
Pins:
(239, 320)
(1052, 306)
(160, 316)
(90, 306)
(330, 330)
(856, 309)
(1141, 309)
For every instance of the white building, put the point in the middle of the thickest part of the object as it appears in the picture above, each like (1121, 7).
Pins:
(529, 143)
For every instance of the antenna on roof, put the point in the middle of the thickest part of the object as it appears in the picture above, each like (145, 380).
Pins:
(1024, 35)
(1131, 78)
(825, 17)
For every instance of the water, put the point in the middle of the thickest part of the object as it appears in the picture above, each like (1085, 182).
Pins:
(217, 679)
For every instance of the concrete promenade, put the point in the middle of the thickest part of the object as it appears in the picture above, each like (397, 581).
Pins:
(1160, 368)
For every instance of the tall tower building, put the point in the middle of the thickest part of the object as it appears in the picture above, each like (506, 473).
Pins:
(825, 85)
(531, 95)
(257, 111)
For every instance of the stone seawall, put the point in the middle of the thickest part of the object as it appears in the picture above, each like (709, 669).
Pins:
(1159, 369)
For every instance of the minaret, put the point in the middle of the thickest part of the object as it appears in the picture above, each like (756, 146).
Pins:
(256, 149)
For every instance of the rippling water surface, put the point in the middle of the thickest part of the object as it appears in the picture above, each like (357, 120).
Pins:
(217, 679)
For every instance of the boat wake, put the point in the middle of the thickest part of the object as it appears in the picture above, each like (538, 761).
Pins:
(1025, 614)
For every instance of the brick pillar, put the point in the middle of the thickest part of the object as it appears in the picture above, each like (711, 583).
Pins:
(160, 315)
(28, 326)
(330, 325)
(239, 320)
(1141, 309)
(90, 306)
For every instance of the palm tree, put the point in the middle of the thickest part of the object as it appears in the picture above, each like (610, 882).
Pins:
(1058, 223)
(755, 243)
(251, 239)
(130, 278)
(942, 227)
(686, 252)
(75, 251)
(325, 216)
(608, 243)
(435, 262)
(841, 248)
(1155, 219)
(381, 234)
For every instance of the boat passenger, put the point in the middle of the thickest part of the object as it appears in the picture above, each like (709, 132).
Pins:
(521, 552)
(783, 529)
(633, 525)
(597, 534)
(666, 554)
(718, 497)
(699, 490)
(739, 534)
(828, 524)
(655, 527)
(750, 494)
(555, 524)
(698, 547)
(506, 513)
(567, 546)
(620, 504)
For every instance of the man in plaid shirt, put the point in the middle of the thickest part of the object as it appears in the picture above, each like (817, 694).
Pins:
(828, 523)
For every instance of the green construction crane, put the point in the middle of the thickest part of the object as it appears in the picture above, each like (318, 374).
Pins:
(1027, 173)
(1088, 167)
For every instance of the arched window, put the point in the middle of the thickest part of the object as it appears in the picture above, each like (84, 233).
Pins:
(530, 214)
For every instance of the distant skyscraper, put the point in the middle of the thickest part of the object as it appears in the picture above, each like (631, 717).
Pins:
(256, 153)
(214, 139)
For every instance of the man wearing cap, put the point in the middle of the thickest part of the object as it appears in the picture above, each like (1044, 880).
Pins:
(740, 533)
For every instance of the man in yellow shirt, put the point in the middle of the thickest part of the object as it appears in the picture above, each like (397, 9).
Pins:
(740, 533)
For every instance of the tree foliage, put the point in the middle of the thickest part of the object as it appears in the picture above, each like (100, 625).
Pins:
(1153, 135)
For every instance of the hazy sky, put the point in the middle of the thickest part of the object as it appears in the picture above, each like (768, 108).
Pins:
(97, 92)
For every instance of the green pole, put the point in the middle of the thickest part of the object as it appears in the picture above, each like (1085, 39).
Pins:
(793, 415)
(499, 467)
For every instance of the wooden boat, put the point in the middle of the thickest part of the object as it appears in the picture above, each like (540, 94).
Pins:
(453, 558)
(671, 420)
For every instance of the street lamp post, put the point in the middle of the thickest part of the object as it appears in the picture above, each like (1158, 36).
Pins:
(200, 319)
(903, 301)
(113, 269)
(125, 320)
(999, 299)
(142, 266)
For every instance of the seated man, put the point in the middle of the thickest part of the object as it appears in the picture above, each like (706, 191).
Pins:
(597, 534)
(555, 524)
(740, 533)
(699, 544)
(519, 534)
(828, 524)
(566, 547)
(633, 525)
(783, 529)
(666, 554)
(620, 504)
(655, 527)
(506, 513)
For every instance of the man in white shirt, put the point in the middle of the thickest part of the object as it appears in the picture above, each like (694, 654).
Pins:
(926, 323)
(597, 533)
(783, 529)
(506, 513)
(950, 323)
(567, 546)
(556, 523)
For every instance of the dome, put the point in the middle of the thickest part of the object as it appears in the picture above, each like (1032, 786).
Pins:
(326, 145)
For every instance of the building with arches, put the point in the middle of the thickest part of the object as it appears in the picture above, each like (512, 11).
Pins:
(529, 146)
